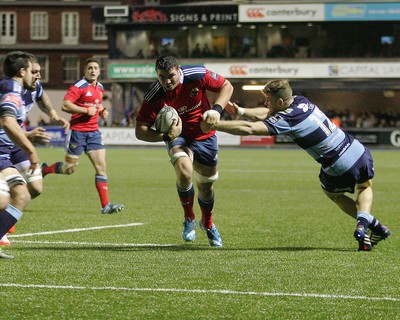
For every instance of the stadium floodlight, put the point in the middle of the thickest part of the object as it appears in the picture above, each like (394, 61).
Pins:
(252, 87)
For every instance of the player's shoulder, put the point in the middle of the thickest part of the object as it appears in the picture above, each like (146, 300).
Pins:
(154, 92)
(9, 85)
(193, 73)
(81, 83)
(100, 86)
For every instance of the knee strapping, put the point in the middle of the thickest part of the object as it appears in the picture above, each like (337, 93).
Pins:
(203, 179)
(70, 163)
(178, 155)
(14, 180)
(4, 188)
(34, 176)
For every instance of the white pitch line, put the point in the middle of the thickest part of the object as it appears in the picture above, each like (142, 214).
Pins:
(75, 230)
(203, 291)
(97, 244)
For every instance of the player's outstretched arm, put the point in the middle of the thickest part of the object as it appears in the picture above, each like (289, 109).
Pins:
(255, 114)
(243, 128)
(47, 107)
(238, 127)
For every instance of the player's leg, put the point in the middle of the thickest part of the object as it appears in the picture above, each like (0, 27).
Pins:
(75, 143)
(34, 179)
(365, 220)
(4, 202)
(65, 167)
(181, 159)
(97, 155)
(344, 202)
(20, 198)
(205, 174)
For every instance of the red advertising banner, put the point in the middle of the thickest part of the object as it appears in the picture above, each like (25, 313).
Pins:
(257, 140)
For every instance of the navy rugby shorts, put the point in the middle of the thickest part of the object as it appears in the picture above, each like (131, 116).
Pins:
(76, 142)
(204, 151)
(362, 171)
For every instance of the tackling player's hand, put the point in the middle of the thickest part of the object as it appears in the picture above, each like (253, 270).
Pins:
(39, 135)
(232, 108)
(206, 127)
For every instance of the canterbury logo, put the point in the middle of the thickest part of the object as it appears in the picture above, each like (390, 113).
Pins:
(238, 70)
(256, 13)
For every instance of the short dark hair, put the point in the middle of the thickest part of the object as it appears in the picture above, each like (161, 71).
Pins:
(167, 62)
(280, 89)
(15, 60)
(90, 60)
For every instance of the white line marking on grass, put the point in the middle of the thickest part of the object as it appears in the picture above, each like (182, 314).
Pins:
(201, 291)
(267, 171)
(98, 244)
(75, 230)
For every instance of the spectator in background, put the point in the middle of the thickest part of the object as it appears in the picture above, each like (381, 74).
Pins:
(139, 54)
(196, 52)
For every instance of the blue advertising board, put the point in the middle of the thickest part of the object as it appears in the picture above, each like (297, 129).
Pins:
(57, 135)
(362, 11)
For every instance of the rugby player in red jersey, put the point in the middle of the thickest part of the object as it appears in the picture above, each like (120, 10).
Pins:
(192, 152)
(84, 100)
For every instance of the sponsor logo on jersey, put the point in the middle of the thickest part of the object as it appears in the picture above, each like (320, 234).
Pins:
(88, 94)
(214, 75)
(273, 119)
(182, 109)
(185, 109)
(194, 92)
(12, 98)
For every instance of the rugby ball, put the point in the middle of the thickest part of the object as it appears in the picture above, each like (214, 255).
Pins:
(165, 118)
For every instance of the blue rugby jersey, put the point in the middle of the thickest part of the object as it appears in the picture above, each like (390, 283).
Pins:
(11, 103)
(312, 130)
(31, 95)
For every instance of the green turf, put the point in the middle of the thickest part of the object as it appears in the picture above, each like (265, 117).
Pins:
(288, 251)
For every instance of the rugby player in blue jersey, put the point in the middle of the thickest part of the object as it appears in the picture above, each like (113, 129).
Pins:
(38, 135)
(346, 165)
(18, 68)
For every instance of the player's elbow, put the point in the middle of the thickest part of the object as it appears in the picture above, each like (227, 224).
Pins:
(65, 106)
(140, 132)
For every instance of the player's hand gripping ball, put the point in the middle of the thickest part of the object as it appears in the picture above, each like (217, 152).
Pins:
(165, 118)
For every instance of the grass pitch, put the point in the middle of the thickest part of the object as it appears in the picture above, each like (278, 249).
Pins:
(288, 251)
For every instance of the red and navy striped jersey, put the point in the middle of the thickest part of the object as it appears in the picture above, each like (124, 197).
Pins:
(84, 94)
(189, 99)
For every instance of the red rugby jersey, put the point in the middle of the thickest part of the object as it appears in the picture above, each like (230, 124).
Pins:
(189, 99)
(84, 94)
